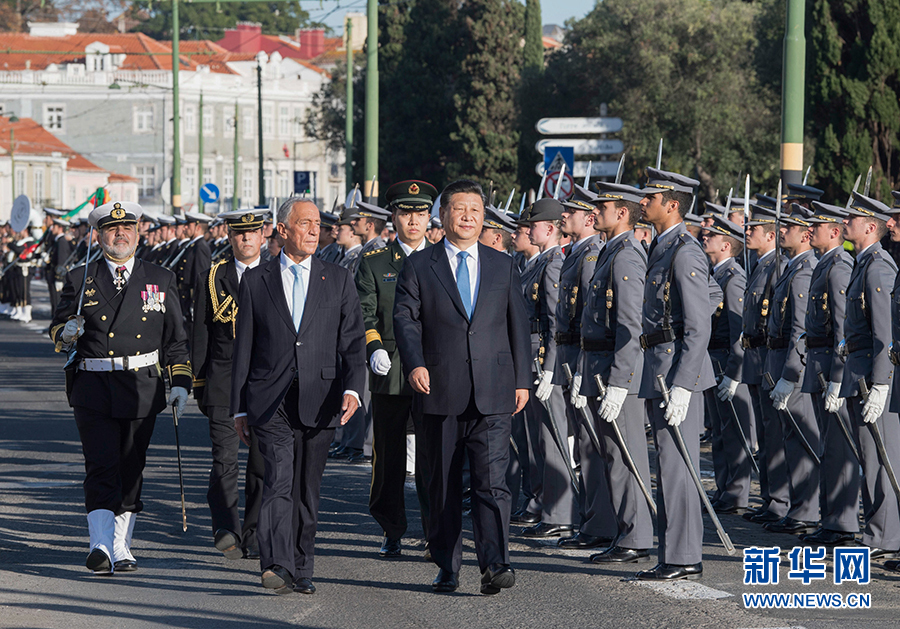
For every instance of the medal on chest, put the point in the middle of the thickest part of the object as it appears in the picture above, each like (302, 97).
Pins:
(153, 299)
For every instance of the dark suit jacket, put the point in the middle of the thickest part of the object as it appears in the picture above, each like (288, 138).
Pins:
(487, 356)
(215, 310)
(327, 356)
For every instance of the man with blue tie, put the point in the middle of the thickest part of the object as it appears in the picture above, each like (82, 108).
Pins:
(300, 330)
(463, 335)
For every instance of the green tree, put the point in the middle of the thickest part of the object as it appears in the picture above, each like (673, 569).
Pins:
(209, 21)
(854, 93)
(533, 52)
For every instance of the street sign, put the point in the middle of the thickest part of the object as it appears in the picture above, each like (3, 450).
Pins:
(556, 156)
(583, 146)
(579, 170)
(302, 181)
(566, 188)
(209, 193)
(568, 126)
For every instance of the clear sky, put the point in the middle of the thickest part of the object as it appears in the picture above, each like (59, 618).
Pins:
(332, 11)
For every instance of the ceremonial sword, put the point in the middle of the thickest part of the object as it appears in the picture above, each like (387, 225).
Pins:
(794, 425)
(840, 422)
(879, 442)
(554, 432)
(73, 353)
(745, 444)
(180, 477)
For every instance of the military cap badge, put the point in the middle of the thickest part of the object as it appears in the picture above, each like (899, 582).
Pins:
(117, 212)
(414, 189)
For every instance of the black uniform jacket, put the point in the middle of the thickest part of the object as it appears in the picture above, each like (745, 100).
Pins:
(215, 318)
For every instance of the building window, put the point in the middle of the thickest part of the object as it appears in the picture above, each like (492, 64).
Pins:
(37, 177)
(190, 181)
(190, 120)
(228, 123)
(247, 123)
(247, 195)
(228, 185)
(283, 183)
(268, 125)
(284, 121)
(298, 122)
(20, 181)
(53, 117)
(209, 119)
(56, 186)
(143, 118)
(209, 175)
(146, 176)
(267, 182)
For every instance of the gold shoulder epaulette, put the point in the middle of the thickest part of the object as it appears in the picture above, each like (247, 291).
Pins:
(374, 251)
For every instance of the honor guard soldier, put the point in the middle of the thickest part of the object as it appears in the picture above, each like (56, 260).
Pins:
(839, 473)
(893, 226)
(546, 410)
(786, 405)
(129, 330)
(678, 302)
(332, 251)
(168, 239)
(497, 231)
(803, 195)
(376, 282)
(60, 249)
(368, 221)
(867, 340)
(348, 242)
(610, 348)
(760, 239)
(192, 262)
(730, 402)
(598, 523)
(215, 316)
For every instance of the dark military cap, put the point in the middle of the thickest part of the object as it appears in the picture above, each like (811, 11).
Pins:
(664, 181)
(244, 220)
(799, 192)
(798, 216)
(582, 199)
(197, 217)
(713, 209)
(764, 200)
(165, 219)
(495, 218)
(643, 225)
(866, 206)
(411, 195)
(896, 195)
(435, 223)
(760, 215)
(737, 205)
(544, 210)
(368, 210)
(115, 213)
(724, 227)
(825, 213)
(618, 192)
(328, 219)
(693, 220)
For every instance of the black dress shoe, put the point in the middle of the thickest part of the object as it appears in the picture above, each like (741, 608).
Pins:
(765, 517)
(525, 517)
(791, 526)
(671, 572)
(359, 458)
(304, 585)
(583, 540)
(251, 553)
(496, 577)
(390, 547)
(881, 553)
(617, 554)
(229, 544)
(278, 579)
(828, 537)
(723, 508)
(543, 531)
(98, 561)
(892, 565)
(752, 513)
(445, 581)
(126, 565)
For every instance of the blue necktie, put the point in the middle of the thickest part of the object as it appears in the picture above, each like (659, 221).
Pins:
(298, 296)
(462, 282)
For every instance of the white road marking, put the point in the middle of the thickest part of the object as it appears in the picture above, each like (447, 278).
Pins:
(685, 590)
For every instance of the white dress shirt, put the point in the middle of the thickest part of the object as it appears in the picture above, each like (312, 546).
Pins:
(129, 267)
(409, 250)
(288, 279)
(472, 262)
(240, 267)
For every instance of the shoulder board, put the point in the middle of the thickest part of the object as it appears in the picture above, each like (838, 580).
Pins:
(590, 258)
(374, 251)
(558, 253)
(878, 255)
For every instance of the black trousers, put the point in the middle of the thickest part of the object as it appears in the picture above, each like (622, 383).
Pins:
(50, 276)
(387, 503)
(223, 493)
(115, 451)
(294, 457)
(446, 439)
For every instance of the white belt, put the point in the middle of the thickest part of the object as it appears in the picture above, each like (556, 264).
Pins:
(119, 363)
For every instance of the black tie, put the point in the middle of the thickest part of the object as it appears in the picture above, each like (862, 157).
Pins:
(653, 244)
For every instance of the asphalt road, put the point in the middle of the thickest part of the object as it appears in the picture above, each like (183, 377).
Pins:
(183, 581)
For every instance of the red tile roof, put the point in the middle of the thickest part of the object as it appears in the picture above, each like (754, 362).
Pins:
(119, 178)
(80, 162)
(31, 139)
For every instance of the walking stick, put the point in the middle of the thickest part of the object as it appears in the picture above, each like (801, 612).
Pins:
(180, 476)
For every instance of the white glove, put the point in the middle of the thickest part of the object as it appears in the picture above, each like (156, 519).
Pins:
(677, 408)
(178, 396)
(833, 401)
(73, 329)
(578, 401)
(544, 386)
(874, 405)
(380, 362)
(727, 389)
(781, 393)
(612, 402)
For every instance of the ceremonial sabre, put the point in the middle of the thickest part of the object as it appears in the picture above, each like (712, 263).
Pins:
(746, 220)
(806, 176)
(794, 425)
(621, 169)
(587, 177)
(562, 174)
(180, 477)
(73, 353)
(679, 440)
(855, 188)
(659, 155)
(554, 432)
(879, 442)
(778, 232)
(745, 444)
(625, 453)
(840, 422)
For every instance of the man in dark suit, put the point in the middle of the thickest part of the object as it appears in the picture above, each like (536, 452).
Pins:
(300, 329)
(463, 335)
(215, 319)
(60, 247)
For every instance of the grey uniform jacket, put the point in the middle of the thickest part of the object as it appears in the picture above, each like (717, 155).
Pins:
(725, 339)
(867, 328)
(540, 283)
(612, 317)
(825, 318)
(677, 259)
(757, 310)
(895, 342)
(574, 281)
(787, 320)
